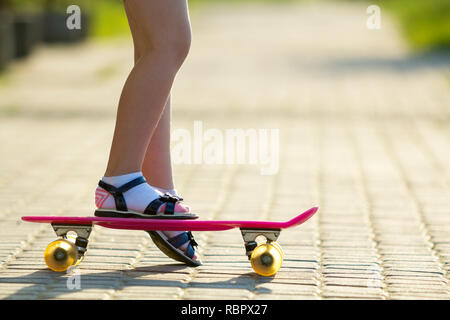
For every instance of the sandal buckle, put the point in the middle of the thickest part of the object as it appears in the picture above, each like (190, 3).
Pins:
(167, 197)
(191, 239)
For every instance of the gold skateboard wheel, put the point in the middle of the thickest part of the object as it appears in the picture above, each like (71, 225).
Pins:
(276, 245)
(60, 255)
(266, 259)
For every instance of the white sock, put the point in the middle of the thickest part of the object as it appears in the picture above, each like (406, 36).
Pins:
(137, 198)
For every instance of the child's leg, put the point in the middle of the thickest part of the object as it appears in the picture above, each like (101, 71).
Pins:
(157, 165)
(165, 25)
(161, 35)
(161, 32)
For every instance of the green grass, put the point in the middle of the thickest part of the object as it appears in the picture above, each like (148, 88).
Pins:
(108, 18)
(425, 23)
(195, 2)
(4, 79)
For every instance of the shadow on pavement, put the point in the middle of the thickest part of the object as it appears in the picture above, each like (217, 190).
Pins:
(46, 284)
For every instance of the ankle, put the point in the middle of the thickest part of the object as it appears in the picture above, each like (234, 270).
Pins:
(120, 171)
(120, 180)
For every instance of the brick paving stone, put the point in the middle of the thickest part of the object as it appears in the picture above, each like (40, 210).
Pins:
(363, 129)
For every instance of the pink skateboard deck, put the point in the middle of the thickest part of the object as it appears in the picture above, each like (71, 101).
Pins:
(265, 257)
(172, 225)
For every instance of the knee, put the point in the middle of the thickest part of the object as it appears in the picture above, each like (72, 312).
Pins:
(178, 49)
(174, 46)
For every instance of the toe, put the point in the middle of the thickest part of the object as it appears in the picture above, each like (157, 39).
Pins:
(179, 208)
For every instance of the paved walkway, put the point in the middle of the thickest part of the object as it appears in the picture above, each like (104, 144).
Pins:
(363, 132)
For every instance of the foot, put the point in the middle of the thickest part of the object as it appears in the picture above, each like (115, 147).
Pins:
(178, 247)
(172, 192)
(175, 238)
(130, 195)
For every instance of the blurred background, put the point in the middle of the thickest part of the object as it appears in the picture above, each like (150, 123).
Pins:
(24, 24)
(364, 128)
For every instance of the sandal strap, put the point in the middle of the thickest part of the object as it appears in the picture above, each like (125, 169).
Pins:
(191, 239)
(182, 238)
(178, 197)
(179, 240)
(167, 199)
(117, 193)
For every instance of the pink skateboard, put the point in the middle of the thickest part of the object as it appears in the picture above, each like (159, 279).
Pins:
(265, 256)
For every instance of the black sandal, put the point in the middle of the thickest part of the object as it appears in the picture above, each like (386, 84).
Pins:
(151, 212)
(170, 246)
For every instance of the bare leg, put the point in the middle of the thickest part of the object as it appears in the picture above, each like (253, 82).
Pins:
(157, 165)
(161, 36)
(166, 29)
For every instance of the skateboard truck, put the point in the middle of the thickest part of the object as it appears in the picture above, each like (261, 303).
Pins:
(250, 235)
(266, 256)
(82, 231)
